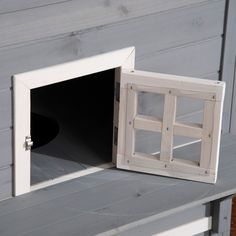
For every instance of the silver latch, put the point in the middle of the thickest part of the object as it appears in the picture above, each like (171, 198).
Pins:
(28, 143)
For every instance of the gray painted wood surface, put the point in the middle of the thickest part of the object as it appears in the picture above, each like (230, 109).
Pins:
(171, 36)
(228, 65)
(180, 60)
(5, 182)
(198, 23)
(156, 32)
(41, 22)
(7, 6)
(5, 147)
(111, 199)
(5, 108)
(206, 57)
(233, 115)
(169, 222)
(221, 213)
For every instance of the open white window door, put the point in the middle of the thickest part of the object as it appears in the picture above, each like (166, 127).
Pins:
(127, 121)
(171, 87)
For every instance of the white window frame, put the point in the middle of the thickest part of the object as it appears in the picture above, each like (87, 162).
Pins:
(128, 82)
(24, 82)
(171, 86)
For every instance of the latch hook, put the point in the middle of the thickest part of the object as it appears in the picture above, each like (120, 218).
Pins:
(28, 143)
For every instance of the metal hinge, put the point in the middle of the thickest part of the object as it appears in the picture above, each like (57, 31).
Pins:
(28, 143)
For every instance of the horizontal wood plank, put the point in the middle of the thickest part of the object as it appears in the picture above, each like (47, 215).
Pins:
(147, 123)
(73, 16)
(5, 147)
(5, 183)
(205, 51)
(7, 6)
(193, 60)
(161, 82)
(35, 56)
(113, 200)
(188, 130)
(162, 224)
(157, 31)
(196, 23)
(53, 52)
(5, 108)
(37, 20)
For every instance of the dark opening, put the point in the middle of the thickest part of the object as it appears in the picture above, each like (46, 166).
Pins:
(71, 125)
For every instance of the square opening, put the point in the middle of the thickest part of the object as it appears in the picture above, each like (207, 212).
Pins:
(150, 104)
(147, 142)
(186, 148)
(75, 99)
(189, 109)
(72, 125)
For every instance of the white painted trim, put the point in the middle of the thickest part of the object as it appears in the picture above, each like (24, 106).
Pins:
(24, 82)
(71, 176)
(21, 129)
(75, 69)
(189, 229)
(211, 92)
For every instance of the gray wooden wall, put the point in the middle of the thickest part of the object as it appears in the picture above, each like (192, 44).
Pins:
(182, 37)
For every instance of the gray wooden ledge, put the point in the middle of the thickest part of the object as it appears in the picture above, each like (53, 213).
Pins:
(113, 200)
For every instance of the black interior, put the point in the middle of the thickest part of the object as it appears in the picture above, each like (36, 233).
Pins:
(72, 122)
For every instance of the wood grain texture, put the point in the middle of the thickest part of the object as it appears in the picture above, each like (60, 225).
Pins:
(48, 20)
(221, 216)
(206, 58)
(168, 128)
(233, 114)
(5, 183)
(169, 222)
(193, 24)
(35, 56)
(228, 65)
(158, 31)
(7, 6)
(110, 199)
(5, 108)
(180, 60)
(5, 147)
(152, 104)
(35, 34)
